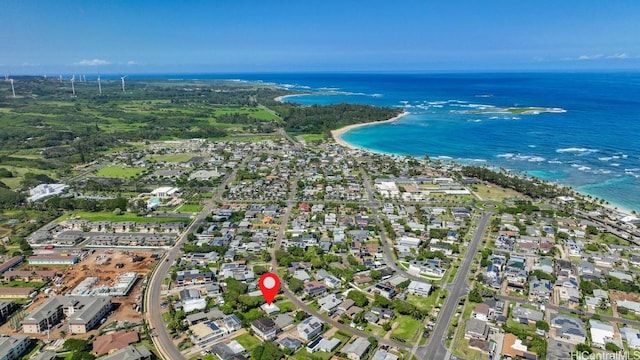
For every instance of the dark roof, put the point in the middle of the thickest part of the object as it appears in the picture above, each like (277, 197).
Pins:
(264, 324)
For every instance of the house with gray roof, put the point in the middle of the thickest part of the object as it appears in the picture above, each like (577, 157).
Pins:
(526, 316)
(130, 353)
(357, 349)
(476, 329)
(569, 329)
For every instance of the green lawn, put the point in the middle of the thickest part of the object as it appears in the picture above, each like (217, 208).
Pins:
(18, 283)
(119, 172)
(286, 306)
(189, 208)
(109, 216)
(256, 113)
(248, 341)
(407, 327)
(313, 137)
(426, 303)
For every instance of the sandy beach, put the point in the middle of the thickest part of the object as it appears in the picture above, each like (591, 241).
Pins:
(282, 97)
(337, 134)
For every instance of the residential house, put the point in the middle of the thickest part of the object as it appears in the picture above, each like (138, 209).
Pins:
(107, 343)
(601, 333)
(205, 332)
(265, 328)
(130, 353)
(568, 329)
(357, 349)
(419, 288)
(477, 329)
(309, 328)
(539, 290)
(513, 348)
(527, 316)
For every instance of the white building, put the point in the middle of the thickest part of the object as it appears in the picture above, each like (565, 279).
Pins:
(166, 192)
(601, 333)
(419, 288)
(309, 328)
(44, 190)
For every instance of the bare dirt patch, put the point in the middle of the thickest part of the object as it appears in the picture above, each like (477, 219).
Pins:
(106, 265)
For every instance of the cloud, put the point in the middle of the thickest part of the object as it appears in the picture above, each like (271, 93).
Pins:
(590, 57)
(616, 56)
(92, 62)
(131, 62)
(619, 56)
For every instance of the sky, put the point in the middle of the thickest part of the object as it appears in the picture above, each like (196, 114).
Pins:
(217, 36)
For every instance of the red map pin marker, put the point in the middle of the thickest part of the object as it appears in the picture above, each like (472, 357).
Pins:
(269, 285)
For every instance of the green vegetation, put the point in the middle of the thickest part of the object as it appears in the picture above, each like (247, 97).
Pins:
(119, 172)
(317, 119)
(248, 341)
(407, 327)
(110, 216)
(189, 208)
(532, 188)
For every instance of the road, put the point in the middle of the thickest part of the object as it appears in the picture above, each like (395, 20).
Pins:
(162, 340)
(561, 308)
(435, 349)
(386, 247)
(294, 299)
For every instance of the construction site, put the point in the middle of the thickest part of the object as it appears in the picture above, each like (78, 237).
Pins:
(116, 273)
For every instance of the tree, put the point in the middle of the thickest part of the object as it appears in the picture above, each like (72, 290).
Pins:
(296, 285)
(584, 348)
(611, 347)
(359, 298)
(603, 304)
(475, 296)
(266, 351)
(375, 274)
(542, 325)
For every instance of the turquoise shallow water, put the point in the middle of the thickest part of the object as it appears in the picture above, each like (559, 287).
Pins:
(592, 147)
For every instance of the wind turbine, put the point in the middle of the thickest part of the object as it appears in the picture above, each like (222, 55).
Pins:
(73, 89)
(99, 85)
(12, 89)
(60, 78)
(6, 77)
(122, 79)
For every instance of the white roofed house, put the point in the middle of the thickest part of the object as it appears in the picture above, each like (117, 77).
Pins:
(419, 288)
(166, 192)
(309, 328)
(601, 333)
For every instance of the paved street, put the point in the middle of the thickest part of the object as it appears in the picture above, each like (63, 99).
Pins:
(435, 349)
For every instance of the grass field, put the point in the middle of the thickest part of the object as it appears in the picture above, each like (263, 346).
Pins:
(108, 216)
(189, 208)
(494, 192)
(248, 341)
(119, 172)
(407, 327)
(313, 137)
(256, 113)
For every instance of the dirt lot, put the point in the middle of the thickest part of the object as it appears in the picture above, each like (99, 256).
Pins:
(101, 264)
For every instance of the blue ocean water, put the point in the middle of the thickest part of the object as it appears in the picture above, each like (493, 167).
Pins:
(593, 147)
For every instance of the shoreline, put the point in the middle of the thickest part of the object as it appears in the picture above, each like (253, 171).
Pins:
(282, 97)
(337, 134)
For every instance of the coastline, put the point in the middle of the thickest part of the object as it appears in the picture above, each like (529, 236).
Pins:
(337, 134)
(282, 97)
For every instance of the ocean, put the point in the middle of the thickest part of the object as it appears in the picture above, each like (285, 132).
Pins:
(592, 147)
